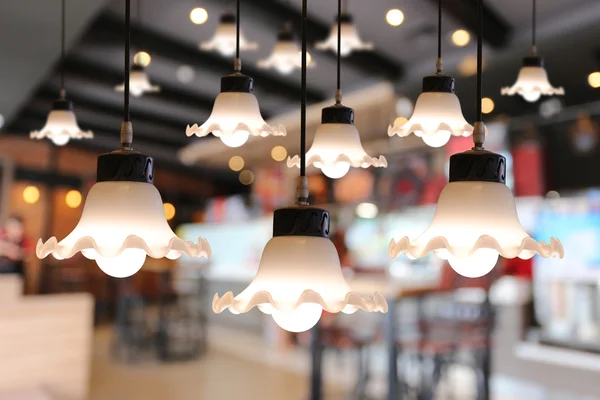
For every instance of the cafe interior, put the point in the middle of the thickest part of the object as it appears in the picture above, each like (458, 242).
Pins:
(300, 200)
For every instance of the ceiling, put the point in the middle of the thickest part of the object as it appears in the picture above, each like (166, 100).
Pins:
(29, 73)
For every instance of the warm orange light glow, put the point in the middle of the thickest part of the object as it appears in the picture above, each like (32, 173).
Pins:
(487, 105)
(279, 153)
(236, 163)
(31, 194)
(73, 199)
(142, 58)
(461, 38)
(169, 211)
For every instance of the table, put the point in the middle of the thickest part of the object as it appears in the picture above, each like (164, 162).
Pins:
(394, 291)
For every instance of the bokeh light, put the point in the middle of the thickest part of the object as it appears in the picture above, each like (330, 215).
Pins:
(73, 198)
(279, 153)
(142, 58)
(461, 38)
(236, 163)
(31, 194)
(246, 177)
(169, 211)
(394, 17)
(199, 15)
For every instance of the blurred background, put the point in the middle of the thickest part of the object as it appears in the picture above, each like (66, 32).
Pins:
(529, 330)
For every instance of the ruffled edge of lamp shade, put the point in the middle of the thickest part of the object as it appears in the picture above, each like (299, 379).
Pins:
(532, 82)
(349, 305)
(299, 268)
(350, 38)
(224, 38)
(491, 209)
(337, 141)
(124, 201)
(61, 124)
(139, 83)
(285, 56)
(446, 103)
(246, 105)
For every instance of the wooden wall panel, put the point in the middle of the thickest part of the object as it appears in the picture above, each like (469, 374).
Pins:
(45, 342)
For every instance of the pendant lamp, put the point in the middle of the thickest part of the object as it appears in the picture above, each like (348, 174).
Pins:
(235, 115)
(337, 145)
(350, 40)
(476, 219)
(228, 39)
(61, 125)
(532, 81)
(299, 274)
(123, 219)
(285, 57)
(437, 114)
(139, 82)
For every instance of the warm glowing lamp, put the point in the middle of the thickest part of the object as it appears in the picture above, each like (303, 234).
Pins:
(224, 39)
(123, 219)
(350, 41)
(476, 219)
(235, 115)
(532, 81)
(285, 57)
(139, 82)
(437, 115)
(61, 125)
(299, 274)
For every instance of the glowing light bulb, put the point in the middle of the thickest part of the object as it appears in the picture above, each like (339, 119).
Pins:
(477, 265)
(301, 319)
(437, 139)
(60, 140)
(124, 265)
(337, 170)
(531, 96)
(394, 17)
(236, 140)
(199, 15)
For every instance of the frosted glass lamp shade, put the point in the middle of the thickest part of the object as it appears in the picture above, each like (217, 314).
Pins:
(298, 277)
(61, 126)
(474, 222)
(139, 83)
(336, 146)
(234, 118)
(122, 223)
(532, 82)
(224, 38)
(350, 40)
(437, 116)
(285, 58)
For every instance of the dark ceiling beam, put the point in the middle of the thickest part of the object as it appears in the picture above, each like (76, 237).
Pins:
(47, 94)
(108, 28)
(225, 181)
(276, 12)
(496, 30)
(82, 69)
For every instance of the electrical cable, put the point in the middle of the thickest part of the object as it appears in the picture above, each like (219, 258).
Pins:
(303, 94)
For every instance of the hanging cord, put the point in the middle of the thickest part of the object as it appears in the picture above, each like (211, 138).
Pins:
(302, 188)
(438, 62)
(533, 29)
(237, 63)
(62, 50)
(139, 12)
(126, 128)
(338, 91)
(345, 6)
(479, 128)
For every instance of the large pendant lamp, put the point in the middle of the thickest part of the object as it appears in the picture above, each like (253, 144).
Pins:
(437, 115)
(285, 57)
(476, 219)
(350, 40)
(337, 145)
(123, 219)
(139, 81)
(235, 115)
(299, 274)
(228, 39)
(61, 125)
(532, 81)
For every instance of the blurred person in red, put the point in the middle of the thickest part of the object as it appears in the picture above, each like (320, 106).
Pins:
(14, 246)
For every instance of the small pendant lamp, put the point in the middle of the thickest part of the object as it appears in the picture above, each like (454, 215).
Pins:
(350, 40)
(123, 219)
(285, 57)
(299, 274)
(532, 81)
(228, 39)
(437, 115)
(337, 145)
(236, 115)
(61, 125)
(139, 81)
(476, 218)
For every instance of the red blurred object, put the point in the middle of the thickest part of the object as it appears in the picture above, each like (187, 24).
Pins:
(528, 166)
